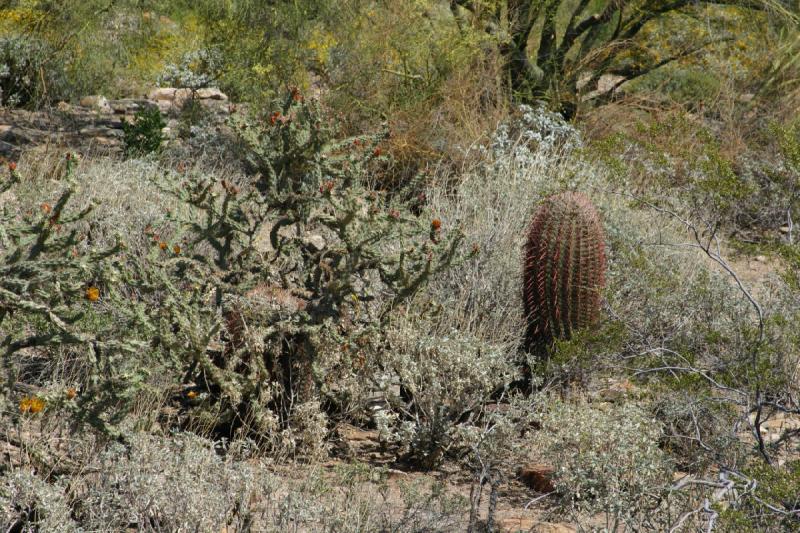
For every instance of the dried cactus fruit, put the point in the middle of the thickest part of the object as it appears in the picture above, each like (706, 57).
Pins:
(564, 268)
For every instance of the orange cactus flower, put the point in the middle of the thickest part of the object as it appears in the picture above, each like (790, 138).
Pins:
(296, 95)
(176, 249)
(46, 208)
(92, 294)
(162, 245)
(71, 393)
(274, 117)
(326, 186)
(12, 167)
(192, 394)
(31, 404)
(377, 152)
(436, 224)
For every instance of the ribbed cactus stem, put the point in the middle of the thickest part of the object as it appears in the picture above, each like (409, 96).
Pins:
(564, 268)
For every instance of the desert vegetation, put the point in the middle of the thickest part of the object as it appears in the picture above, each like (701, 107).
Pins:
(418, 265)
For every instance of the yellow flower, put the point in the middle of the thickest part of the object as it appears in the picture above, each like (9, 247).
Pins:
(191, 394)
(31, 404)
(92, 294)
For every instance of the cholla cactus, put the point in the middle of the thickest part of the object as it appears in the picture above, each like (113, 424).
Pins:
(274, 324)
(49, 278)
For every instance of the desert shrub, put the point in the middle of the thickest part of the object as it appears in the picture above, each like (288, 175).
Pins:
(27, 503)
(178, 483)
(144, 135)
(197, 69)
(448, 378)
(607, 460)
(27, 75)
(248, 290)
(359, 497)
(469, 322)
(767, 501)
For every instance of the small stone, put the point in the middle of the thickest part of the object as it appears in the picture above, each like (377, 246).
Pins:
(63, 106)
(761, 258)
(784, 229)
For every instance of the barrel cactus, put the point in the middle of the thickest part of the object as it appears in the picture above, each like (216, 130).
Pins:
(564, 268)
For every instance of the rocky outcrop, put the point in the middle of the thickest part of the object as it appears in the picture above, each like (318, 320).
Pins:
(94, 123)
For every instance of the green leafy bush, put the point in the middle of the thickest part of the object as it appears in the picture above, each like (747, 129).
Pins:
(144, 135)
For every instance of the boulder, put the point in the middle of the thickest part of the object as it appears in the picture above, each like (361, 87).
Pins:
(211, 94)
(170, 95)
(97, 103)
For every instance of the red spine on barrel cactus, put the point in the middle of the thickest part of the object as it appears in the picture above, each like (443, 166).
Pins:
(564, 268)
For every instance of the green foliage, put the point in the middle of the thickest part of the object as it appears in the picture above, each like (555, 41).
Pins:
(772, 488)
(27, 76)
(564, 268)
(144, 135)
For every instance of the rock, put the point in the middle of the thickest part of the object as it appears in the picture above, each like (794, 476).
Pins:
(97, 103)
(516, 524)
(784, 229)
(538, 476)
(761, 258)
(315, 241)
(211, 94)
(105, 141)
(95, 131)
(63, 106)
(128, 106)
(547, 527)
(170, 96)
(162, 94)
